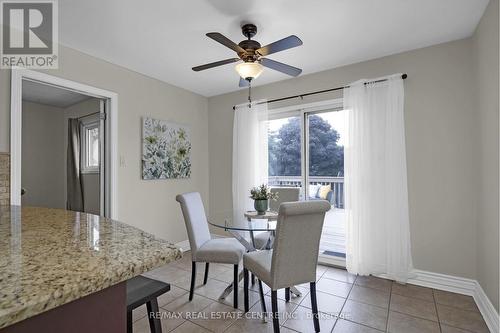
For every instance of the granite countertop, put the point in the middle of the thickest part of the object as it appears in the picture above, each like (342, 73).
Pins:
(50, 257)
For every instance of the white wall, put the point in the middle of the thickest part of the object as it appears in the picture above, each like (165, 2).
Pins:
(42, 156)
(486, 61)
(149, 205)
(441, 127)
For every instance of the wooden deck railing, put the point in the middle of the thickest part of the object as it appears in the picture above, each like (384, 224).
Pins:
(337, 184)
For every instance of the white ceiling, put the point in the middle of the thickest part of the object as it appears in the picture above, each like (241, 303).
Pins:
(164, 39)
(49, 95)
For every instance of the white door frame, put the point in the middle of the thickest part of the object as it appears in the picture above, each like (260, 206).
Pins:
(17, 77)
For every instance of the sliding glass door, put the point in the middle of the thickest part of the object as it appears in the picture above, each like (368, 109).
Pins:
(324, 174)
(306, 150)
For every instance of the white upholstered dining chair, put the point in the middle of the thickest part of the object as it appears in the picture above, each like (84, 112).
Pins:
(203, 247)
(294, 256)
(285, 194)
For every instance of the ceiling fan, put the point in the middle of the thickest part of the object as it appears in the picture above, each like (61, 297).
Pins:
(252, 54)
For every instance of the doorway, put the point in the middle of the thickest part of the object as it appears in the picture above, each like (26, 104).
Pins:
(61, 152)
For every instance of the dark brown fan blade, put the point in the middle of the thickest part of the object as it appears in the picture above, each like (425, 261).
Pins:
(280, 45)
(215, 64)
(218, 37)
(243, 82)
(280, 67)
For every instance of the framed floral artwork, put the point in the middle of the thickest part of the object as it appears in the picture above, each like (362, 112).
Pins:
(166, 150)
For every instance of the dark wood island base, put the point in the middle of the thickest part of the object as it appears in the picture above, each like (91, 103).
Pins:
(103, 311)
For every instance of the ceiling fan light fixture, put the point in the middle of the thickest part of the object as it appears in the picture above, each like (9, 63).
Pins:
(249, 70)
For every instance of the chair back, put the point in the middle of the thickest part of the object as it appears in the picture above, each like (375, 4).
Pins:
(285, 194)
(195, 219)
(296, 246)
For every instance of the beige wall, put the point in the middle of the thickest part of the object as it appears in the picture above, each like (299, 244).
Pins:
(43, 156)
(486, 61)
(149, 205)
(441, 123)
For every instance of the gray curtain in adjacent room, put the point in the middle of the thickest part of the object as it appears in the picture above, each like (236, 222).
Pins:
(74, 199)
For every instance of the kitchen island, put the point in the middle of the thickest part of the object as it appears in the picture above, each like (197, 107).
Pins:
(66, 271)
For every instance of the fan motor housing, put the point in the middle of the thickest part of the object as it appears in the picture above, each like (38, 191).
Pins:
(249, 46)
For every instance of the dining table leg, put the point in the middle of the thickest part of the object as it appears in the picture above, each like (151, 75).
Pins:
(229, 288)
(295, 291)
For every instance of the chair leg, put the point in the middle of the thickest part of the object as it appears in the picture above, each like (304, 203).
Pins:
(205, 278)
(235, 287)
(154, 321)
(262, 301)
(274, 306)
(314, 306)
(245, 289)
(287, 294)
(253, 279)
(193, 280)
(129, 321)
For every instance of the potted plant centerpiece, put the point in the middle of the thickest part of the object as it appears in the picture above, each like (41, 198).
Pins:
(261, 196)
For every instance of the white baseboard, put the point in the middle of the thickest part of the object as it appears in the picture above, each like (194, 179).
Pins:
(487, 309)
(462, 286)
(184, 245)
(444, 282)
(331, 261)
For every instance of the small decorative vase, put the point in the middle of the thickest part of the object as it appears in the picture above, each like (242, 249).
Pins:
(261, 206)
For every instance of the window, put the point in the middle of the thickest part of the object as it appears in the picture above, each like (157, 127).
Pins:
(89, 137)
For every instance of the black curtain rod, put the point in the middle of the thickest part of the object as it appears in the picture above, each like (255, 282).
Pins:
(404, 76)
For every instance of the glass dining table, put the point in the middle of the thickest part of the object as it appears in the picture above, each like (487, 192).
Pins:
(240, 224)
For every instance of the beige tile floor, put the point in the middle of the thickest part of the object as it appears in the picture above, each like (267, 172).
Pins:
(347, 304)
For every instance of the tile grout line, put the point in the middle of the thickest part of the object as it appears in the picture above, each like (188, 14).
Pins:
(414, 315)
(192, 322)
(364, 325)
(343, 305)
(439, 320)
(176, 327)
(361, 285)
(410, 315)
(305, 297)
(389, 308)
(437, 313)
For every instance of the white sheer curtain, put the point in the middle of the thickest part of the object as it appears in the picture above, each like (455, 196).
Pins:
(378, 228)
(249, 152)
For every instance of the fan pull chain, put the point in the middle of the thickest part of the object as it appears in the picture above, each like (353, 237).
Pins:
(249, 93)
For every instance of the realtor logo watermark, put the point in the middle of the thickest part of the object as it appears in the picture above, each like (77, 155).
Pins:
(29, 34)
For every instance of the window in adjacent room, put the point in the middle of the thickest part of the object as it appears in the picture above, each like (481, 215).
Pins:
(89, 137)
